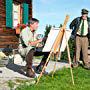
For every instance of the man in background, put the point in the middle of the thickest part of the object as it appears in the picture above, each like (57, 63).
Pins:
(81, 32)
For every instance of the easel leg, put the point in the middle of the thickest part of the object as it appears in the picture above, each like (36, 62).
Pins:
(69, 58)
(70, 67)
(60, 55)
(38, 79)
(56, 57)
(54, 65)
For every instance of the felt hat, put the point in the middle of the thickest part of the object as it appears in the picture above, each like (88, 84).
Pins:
(84, 11)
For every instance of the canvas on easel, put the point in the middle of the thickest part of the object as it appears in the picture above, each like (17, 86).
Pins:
(51, 39)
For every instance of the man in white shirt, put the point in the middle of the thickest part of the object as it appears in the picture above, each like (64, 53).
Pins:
(27, 45)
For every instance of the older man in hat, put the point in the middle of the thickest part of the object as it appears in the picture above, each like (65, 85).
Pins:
(81, 32)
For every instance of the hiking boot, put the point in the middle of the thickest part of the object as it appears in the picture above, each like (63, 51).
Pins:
(80, 63)
(87, 66)
(75, 64)
(30, 73)
(39, 68)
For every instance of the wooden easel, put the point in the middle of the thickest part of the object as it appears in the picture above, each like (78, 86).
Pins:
(55, 49)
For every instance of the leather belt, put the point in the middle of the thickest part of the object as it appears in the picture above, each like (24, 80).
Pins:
(81, 36)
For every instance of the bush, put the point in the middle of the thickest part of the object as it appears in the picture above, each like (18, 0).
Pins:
(64, 55)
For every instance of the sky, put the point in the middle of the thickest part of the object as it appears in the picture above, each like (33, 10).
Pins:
(53, 12)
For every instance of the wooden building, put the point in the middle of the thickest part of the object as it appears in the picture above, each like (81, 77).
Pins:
(12, 13)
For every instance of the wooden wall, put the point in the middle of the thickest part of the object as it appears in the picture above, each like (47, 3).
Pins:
(8, 35)
(2, 14)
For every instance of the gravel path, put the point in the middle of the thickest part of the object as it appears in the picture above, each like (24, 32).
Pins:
(14, 72)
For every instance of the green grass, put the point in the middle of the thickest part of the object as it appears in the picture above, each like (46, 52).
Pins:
(62, 81)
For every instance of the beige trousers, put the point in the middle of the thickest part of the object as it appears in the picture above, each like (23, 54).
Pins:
(82, 44)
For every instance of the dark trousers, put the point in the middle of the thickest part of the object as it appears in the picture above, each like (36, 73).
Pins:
(32, 53)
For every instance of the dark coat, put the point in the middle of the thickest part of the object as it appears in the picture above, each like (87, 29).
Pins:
(75, 26)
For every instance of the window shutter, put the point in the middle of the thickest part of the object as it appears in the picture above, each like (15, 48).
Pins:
(9, 7)
(25, 13)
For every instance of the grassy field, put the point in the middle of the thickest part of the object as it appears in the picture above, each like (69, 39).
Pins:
(62, 81)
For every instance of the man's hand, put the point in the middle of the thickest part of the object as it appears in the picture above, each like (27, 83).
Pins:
(34, 43)
(39, 45)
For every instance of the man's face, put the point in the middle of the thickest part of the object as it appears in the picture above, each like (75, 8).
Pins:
(35, 26)
(84, 16)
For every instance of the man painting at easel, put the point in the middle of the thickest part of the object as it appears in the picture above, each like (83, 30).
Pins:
(81, 32)
(27, 44)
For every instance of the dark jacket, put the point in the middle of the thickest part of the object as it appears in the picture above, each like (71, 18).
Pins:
(75, 26)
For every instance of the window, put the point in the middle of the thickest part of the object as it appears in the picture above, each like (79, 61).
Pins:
(16, 14)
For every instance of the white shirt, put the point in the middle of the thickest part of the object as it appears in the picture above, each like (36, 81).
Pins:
(26, 36)
(85, 28)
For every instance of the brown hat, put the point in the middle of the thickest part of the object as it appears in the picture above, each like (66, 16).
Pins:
(84, 11)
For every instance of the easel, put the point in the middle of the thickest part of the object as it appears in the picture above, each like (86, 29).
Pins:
(55, 49)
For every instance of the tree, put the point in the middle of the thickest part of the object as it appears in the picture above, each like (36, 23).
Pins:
(47, 30)
(60, 26)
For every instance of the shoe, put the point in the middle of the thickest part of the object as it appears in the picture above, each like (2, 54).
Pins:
(80, 63)
(75, 64)
(38, 70)
(30, 73)
(87, 67)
